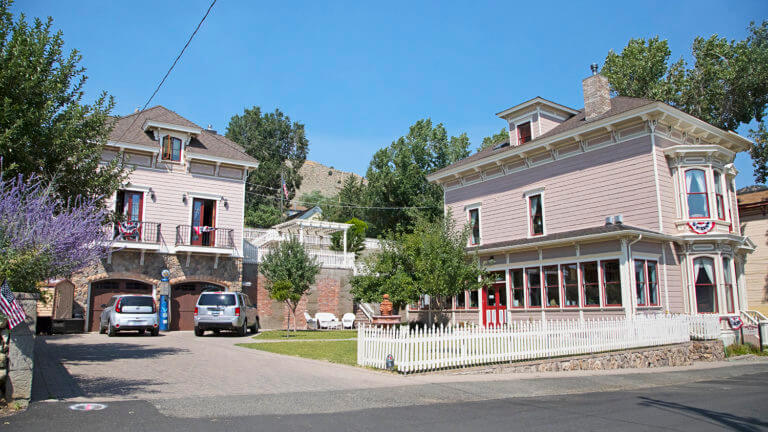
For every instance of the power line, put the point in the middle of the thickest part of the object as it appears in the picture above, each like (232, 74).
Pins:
(346, 206)
(173, 65)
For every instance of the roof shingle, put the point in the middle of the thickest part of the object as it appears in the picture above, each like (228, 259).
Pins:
(128, 129)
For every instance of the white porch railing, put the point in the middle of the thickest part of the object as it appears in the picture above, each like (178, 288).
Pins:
(325, 258)
(446, 347)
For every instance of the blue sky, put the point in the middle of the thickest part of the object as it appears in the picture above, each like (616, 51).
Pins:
(357, 74)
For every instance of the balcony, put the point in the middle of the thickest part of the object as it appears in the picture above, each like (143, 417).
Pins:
(324, 258)
(135, 234)
(196, 238)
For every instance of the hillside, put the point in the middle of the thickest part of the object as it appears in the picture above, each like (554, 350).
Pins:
(318, 177)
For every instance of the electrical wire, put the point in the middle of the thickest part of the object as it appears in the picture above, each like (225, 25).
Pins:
(173, 65)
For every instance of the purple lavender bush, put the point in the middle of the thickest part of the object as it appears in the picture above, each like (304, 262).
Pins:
(42, 236)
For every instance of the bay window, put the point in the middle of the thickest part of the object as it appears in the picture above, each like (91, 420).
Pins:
(704, 285)
(696, 187)
(646, 283)
(728, 285)
(517, 288)
(551, 286)
(171, 148)
(612, 282)
(719, 201)
(570, 277)
(590, 284)
(474, 226)
(533, 276)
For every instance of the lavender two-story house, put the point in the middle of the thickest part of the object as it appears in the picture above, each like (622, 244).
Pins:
(626, 206)
(182, 211)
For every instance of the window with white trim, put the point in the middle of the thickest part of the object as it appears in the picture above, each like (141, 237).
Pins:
(728, 285)
(570, 277)
(171, 148)
(533, 277)
(719, 196)
(611, 282)
(474, 226)
(517, 290)
(704, 285)
(646, 283)
(551, 286)
(696, 189)
(536, 215)
(524, 133)
(590, 284)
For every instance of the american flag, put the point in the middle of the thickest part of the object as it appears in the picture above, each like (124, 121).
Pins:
(10, 307)
(285, 190)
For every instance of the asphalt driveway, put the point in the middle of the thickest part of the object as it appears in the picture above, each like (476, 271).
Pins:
(178, 364)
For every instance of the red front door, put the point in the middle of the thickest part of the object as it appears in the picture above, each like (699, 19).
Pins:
(495, 302)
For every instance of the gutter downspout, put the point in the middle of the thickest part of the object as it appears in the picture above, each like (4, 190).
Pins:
(632, 293)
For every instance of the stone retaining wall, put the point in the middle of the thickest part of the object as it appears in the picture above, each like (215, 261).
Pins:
(21, 353)
(669, 355)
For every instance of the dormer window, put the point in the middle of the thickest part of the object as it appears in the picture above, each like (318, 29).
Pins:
(523, 133)
(171, 148)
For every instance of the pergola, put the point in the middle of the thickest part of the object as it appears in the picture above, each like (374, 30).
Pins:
(307, 227)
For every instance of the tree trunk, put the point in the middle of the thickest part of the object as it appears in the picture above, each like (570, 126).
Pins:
(288, 321)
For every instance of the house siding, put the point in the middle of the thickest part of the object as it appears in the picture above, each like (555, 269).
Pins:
(579, 192)
(169, 209)
(755, 226)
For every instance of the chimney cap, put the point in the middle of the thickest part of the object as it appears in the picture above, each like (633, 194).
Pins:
(593, 67)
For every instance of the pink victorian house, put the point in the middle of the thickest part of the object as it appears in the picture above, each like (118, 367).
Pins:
(626, 206)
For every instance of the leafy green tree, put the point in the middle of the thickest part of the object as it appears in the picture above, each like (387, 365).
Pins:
(355, 237)
(726, 86)
(282, 291)
(290, 264)
(312, 199)
(397, 175)
(262, 215)
(45, 129)
(280, 145)
(494, 139)
(345, 205)
(431, 260)
(759, 152)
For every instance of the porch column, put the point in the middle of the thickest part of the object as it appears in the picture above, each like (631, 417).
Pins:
(345, 241)
(741, 281)
(722, 307)
(301, 234)
(626, 280)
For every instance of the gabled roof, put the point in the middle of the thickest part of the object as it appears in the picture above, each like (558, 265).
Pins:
(538, 100)
(130, 130)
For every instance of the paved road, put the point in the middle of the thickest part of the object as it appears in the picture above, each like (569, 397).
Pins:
(156, 384)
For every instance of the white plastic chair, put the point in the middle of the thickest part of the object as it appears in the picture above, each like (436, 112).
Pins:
(311, 322)
(324, 319)
(348, 320)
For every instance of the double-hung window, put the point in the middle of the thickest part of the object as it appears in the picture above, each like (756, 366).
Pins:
(517, 289)
(536, 215)
(474, 299)
(696, 187)
(533, 276)
(728, 285)
(474, 226)
(590, 284)
(646, 283)
(719, 201)
(570, 276)
(552, 286)
(704, 283)
(461, 301)
(171, 148)
(612, 282)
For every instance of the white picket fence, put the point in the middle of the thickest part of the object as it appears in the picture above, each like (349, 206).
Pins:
(435, 348)
(704, 327)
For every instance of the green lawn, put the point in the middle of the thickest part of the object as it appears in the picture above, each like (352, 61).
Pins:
(306, 334)
(344, 352)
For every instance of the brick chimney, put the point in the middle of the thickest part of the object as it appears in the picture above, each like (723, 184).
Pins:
(597, 94)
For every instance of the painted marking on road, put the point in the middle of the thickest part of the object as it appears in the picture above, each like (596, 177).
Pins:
(87, 407)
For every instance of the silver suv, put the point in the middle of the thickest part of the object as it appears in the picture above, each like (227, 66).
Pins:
(129, 312)
(225, 311)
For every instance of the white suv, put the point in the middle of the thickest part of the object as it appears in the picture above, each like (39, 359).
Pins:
(129, 312)
(217, 310)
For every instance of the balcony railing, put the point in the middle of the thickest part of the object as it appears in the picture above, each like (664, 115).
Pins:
(135, 231)
(204, 236)
(325, 258)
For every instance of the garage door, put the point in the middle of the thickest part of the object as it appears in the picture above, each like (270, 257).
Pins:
(102, 291)
(184, 299)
